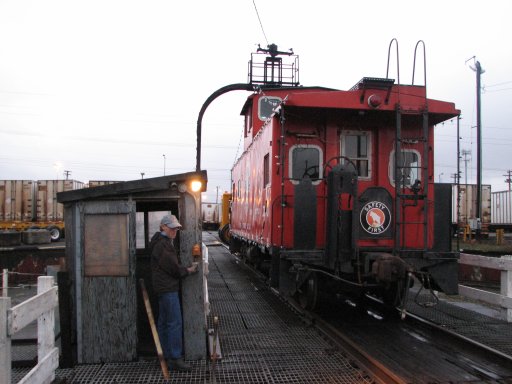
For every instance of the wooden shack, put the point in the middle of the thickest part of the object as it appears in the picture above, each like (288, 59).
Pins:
(108, 229)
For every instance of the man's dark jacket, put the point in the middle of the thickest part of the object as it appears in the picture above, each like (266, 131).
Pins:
(166, 269)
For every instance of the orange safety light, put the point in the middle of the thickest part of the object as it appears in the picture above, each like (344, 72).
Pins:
(196, 252)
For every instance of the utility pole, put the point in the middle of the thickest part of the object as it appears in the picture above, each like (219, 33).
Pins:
(142, 175)
(67, 173)
(466, 153)
(508, 179)
(478, 69)
(164, 163)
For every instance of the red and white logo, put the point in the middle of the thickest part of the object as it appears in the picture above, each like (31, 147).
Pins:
(375, 217)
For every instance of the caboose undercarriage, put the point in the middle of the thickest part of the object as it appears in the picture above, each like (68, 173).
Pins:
(383, 276)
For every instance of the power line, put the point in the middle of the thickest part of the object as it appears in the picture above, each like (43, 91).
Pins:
(496, 90)
(113, 141)
(498, 84)
(259, 19)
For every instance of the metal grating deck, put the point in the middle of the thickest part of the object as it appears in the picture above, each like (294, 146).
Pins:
(262, 341)
(486, 330)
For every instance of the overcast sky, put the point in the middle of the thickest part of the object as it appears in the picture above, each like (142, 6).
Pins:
(104, 89)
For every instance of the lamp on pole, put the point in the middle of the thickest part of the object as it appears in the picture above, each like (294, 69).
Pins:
(441, 174)
(164, 163)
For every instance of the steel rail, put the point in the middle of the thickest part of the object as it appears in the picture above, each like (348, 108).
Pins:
(456, 335)
(378, 371)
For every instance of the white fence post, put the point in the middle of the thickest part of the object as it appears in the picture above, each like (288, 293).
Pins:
(5, 342)
(40, 307)
(5, 283)
(506, 289)
(45, 325)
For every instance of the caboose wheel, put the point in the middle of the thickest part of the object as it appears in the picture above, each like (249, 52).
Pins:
(308, 293)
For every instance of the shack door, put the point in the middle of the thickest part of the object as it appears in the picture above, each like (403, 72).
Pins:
(106, 298)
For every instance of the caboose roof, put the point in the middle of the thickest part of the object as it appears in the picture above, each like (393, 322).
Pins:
(410, 98)
(286, 90)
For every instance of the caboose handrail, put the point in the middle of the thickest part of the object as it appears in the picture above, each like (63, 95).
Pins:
(328, 164)
(424, 65)
(397, 62)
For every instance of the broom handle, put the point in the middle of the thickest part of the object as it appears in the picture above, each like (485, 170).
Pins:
(161, 357)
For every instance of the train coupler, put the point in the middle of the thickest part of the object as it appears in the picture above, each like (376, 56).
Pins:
(388, 268)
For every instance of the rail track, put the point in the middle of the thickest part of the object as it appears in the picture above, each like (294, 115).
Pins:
(414, 350)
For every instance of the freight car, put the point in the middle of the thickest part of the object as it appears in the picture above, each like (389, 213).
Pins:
(464, 207)
(335, 189)
(28, 204)
(210, 214)
(501, 210)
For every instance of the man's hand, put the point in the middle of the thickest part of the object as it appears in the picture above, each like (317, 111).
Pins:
(193, 268)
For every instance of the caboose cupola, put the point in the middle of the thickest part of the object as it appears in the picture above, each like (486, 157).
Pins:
(278, 69)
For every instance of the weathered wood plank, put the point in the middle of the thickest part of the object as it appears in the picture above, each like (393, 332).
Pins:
(24, 313)
(486, 296)
(485, 261)
(44, 371)
(194, 318)
(5, 342)
(109, 328)
(45, 322)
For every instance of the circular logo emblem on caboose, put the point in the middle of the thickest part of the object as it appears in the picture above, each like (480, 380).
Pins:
(375, 217)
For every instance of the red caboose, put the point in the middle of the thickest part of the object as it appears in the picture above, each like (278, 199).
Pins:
(339, 186)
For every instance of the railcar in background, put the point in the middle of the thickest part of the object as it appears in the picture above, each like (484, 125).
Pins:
(210, 215)
(336, 188)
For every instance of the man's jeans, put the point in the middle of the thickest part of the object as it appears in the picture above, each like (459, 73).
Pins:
(170, 325)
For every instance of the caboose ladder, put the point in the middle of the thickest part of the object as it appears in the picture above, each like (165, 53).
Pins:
(410, 195)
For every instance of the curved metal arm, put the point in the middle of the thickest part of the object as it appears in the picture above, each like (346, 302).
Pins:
(213, 96)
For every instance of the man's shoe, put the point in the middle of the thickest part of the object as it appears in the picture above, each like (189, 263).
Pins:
(178, 365)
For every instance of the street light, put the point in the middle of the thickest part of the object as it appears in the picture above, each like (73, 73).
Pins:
(441, 174)
(164, 164)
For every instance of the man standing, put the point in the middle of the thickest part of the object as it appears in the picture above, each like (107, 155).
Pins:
(167, 271)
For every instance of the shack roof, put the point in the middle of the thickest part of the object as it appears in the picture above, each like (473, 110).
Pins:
(130, 188)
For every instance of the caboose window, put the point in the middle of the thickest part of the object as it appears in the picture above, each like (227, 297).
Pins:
(356, 147)
(266, 170)
(409, 166)
(248, 122)
(305, 162)
(266, 106)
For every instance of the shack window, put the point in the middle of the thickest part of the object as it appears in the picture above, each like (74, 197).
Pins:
(153, 225)
(305, 162)
(356, 147)
(409, 167)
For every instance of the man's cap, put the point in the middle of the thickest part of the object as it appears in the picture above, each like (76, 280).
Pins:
(171, 221)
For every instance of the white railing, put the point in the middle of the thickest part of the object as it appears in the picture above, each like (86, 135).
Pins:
(40, 307)
(502, 299)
